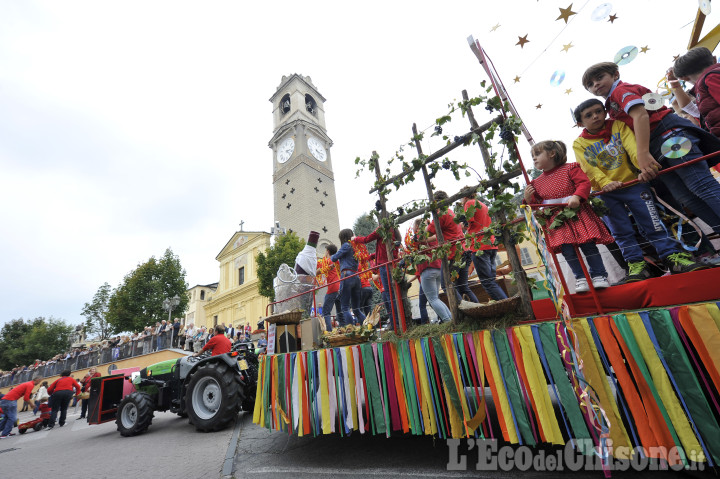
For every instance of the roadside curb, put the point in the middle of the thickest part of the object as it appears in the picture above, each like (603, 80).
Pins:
(229, 462)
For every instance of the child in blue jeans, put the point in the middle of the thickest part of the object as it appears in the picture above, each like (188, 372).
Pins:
(351, 287)
(606, 151)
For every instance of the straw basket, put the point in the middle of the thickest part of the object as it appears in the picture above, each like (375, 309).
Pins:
(490, 310)
(337, 341)
(288, 317)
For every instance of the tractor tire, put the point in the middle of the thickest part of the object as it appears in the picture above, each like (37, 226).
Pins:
(135, 414)
(213, 398)
(38, 426)
(22, 430)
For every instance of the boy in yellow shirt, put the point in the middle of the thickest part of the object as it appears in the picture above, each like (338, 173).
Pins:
(607, 153)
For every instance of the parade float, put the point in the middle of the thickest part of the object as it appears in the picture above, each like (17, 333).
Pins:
(631, 370)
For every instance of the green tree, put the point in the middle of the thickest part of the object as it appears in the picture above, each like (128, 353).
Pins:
(284, 250)
(363, 226)
(137, 302)
(95, 313)
(21, 342)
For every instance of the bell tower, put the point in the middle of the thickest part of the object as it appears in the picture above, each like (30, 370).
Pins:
(303, 180)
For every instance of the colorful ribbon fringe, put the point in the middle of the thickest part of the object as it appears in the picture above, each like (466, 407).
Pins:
(648, 379)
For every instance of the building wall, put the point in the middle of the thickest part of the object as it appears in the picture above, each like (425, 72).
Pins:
(199, 296)
(234, 303)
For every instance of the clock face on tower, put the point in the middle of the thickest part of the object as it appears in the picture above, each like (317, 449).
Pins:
(316, 148)
(285, 150)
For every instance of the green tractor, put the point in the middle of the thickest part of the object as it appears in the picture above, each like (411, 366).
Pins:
(209, 390)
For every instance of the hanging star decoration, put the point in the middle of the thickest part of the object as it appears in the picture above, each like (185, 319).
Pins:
(516, 79)
(497, 25)
(568, 91)
(675, 57)
(566, 48)
(644, 49)
(565, 13)
(538, 106)
(522, 41)
(612, 18)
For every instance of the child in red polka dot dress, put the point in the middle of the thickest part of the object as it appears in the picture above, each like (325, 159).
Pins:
(563, 182)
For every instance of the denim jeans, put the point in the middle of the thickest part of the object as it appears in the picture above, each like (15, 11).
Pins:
(484, 262)
(330, 300)
(60, 402)
(430, 279)
(693, 186)
(461, 283)
(641, 203)
(422, 304)
(596, 267)
(10, 416)
(351, 294)
(366, 295)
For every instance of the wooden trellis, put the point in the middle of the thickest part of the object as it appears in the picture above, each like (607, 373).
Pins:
(500, 217)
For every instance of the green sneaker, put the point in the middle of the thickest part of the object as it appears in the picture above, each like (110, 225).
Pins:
(638, 271)
(682, 263)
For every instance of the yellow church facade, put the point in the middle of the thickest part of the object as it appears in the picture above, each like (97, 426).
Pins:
(237, 301)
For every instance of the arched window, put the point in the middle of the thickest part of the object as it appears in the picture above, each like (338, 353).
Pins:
(310, 105)
(285, 104)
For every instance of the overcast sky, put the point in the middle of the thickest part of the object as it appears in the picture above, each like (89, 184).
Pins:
(130, 127)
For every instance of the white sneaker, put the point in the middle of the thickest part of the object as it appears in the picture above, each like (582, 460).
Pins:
(581, 285)
(600, 282)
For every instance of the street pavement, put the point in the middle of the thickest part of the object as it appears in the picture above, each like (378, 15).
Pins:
(171, 448)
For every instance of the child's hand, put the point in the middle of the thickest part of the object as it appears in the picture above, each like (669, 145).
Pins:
(648, 167)
(612, 186)
(529, 193)
(670, 74)
(574, 201)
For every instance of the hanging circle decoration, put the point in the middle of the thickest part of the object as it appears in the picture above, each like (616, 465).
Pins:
(557, 77)
(601, 12)
(704, 6)
(626, 55)
(653, 101)
(676, 147)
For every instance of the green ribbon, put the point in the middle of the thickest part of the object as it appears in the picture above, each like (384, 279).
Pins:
(435, 393)
(513, 387)
(371, 383)
(623, 325)
(568, 399)
(386, 410)
(684, 375)
(447, 377)
(408, 385)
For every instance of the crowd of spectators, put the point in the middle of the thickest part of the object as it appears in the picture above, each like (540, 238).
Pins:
(165, 334)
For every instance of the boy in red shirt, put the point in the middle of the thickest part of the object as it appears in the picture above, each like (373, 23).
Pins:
(693, 186)
(452, 232)
(699, 66)
(483, 255)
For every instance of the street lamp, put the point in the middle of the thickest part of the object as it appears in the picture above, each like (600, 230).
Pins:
(169, 304)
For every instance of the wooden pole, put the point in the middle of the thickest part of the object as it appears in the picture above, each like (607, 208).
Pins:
(394, 289)
(449, 287)
(518, 271)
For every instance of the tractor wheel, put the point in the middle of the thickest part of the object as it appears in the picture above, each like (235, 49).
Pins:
(135, 414)
(22, 430)
(38, 426)
(213, 398)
